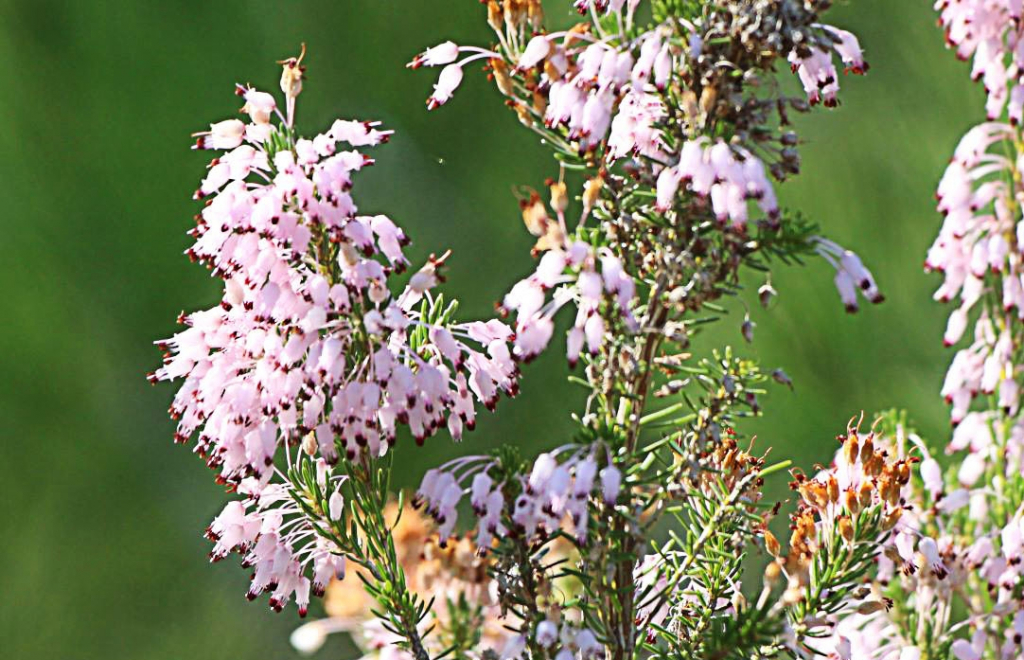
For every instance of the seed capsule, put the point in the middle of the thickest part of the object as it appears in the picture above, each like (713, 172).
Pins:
(833, 489)
(846, 528)
(865, 495)
(867, 449)
(891, 519)
(851, 502)
(850, 449)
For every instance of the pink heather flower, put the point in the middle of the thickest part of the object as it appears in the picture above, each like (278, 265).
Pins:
(662, 67)
(447, 55)
(439, 55)
(978, 255)
(573, 275)
(668, 184)
(537, 50)
(611, 484)
(260, 106)
(851, 275)
(816, 71)
(447, 83)
(547, 633)
(931, 474)
(848, 49)
(970, 650)
(513, 648)
(555, 495)
(587, 644)
(817, 75)
(730, 175)
(650, 49)
(633, 128)
(226, 134)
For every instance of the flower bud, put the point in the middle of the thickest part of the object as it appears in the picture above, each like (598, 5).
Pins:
(494, 16)
(535, 216)
(540, 104)
(874, 465)
(747, 329)
(309, 638)
(903, 473)
(535, 14)
(889, 489)
(523, 113)
(766, 293)
(833, 489)
(782, 378)
(547, 633)
(309, 444)
(336, 505)
(537, 50)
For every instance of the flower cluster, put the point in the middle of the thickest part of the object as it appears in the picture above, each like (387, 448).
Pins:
(847, 515)
(276, 538)
(674, 130)
(817, 70)
(562, 641)
(594, 281)
(582, 79)
(977, 250)
(649, 101)
(728, 466)
(990, 32)
(728, 175)
(550, 494)
(955, 545)
(313, 340)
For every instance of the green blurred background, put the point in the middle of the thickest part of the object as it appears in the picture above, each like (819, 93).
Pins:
(102, 515)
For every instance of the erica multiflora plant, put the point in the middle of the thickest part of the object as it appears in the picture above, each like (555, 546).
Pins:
(952, 570)
(670, 130)
(295, 385)
(673, 130)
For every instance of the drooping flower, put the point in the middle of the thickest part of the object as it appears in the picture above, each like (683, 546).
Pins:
(553, 495)
(593, 281)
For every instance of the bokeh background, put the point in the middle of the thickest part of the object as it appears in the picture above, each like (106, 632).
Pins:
(101, 515)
